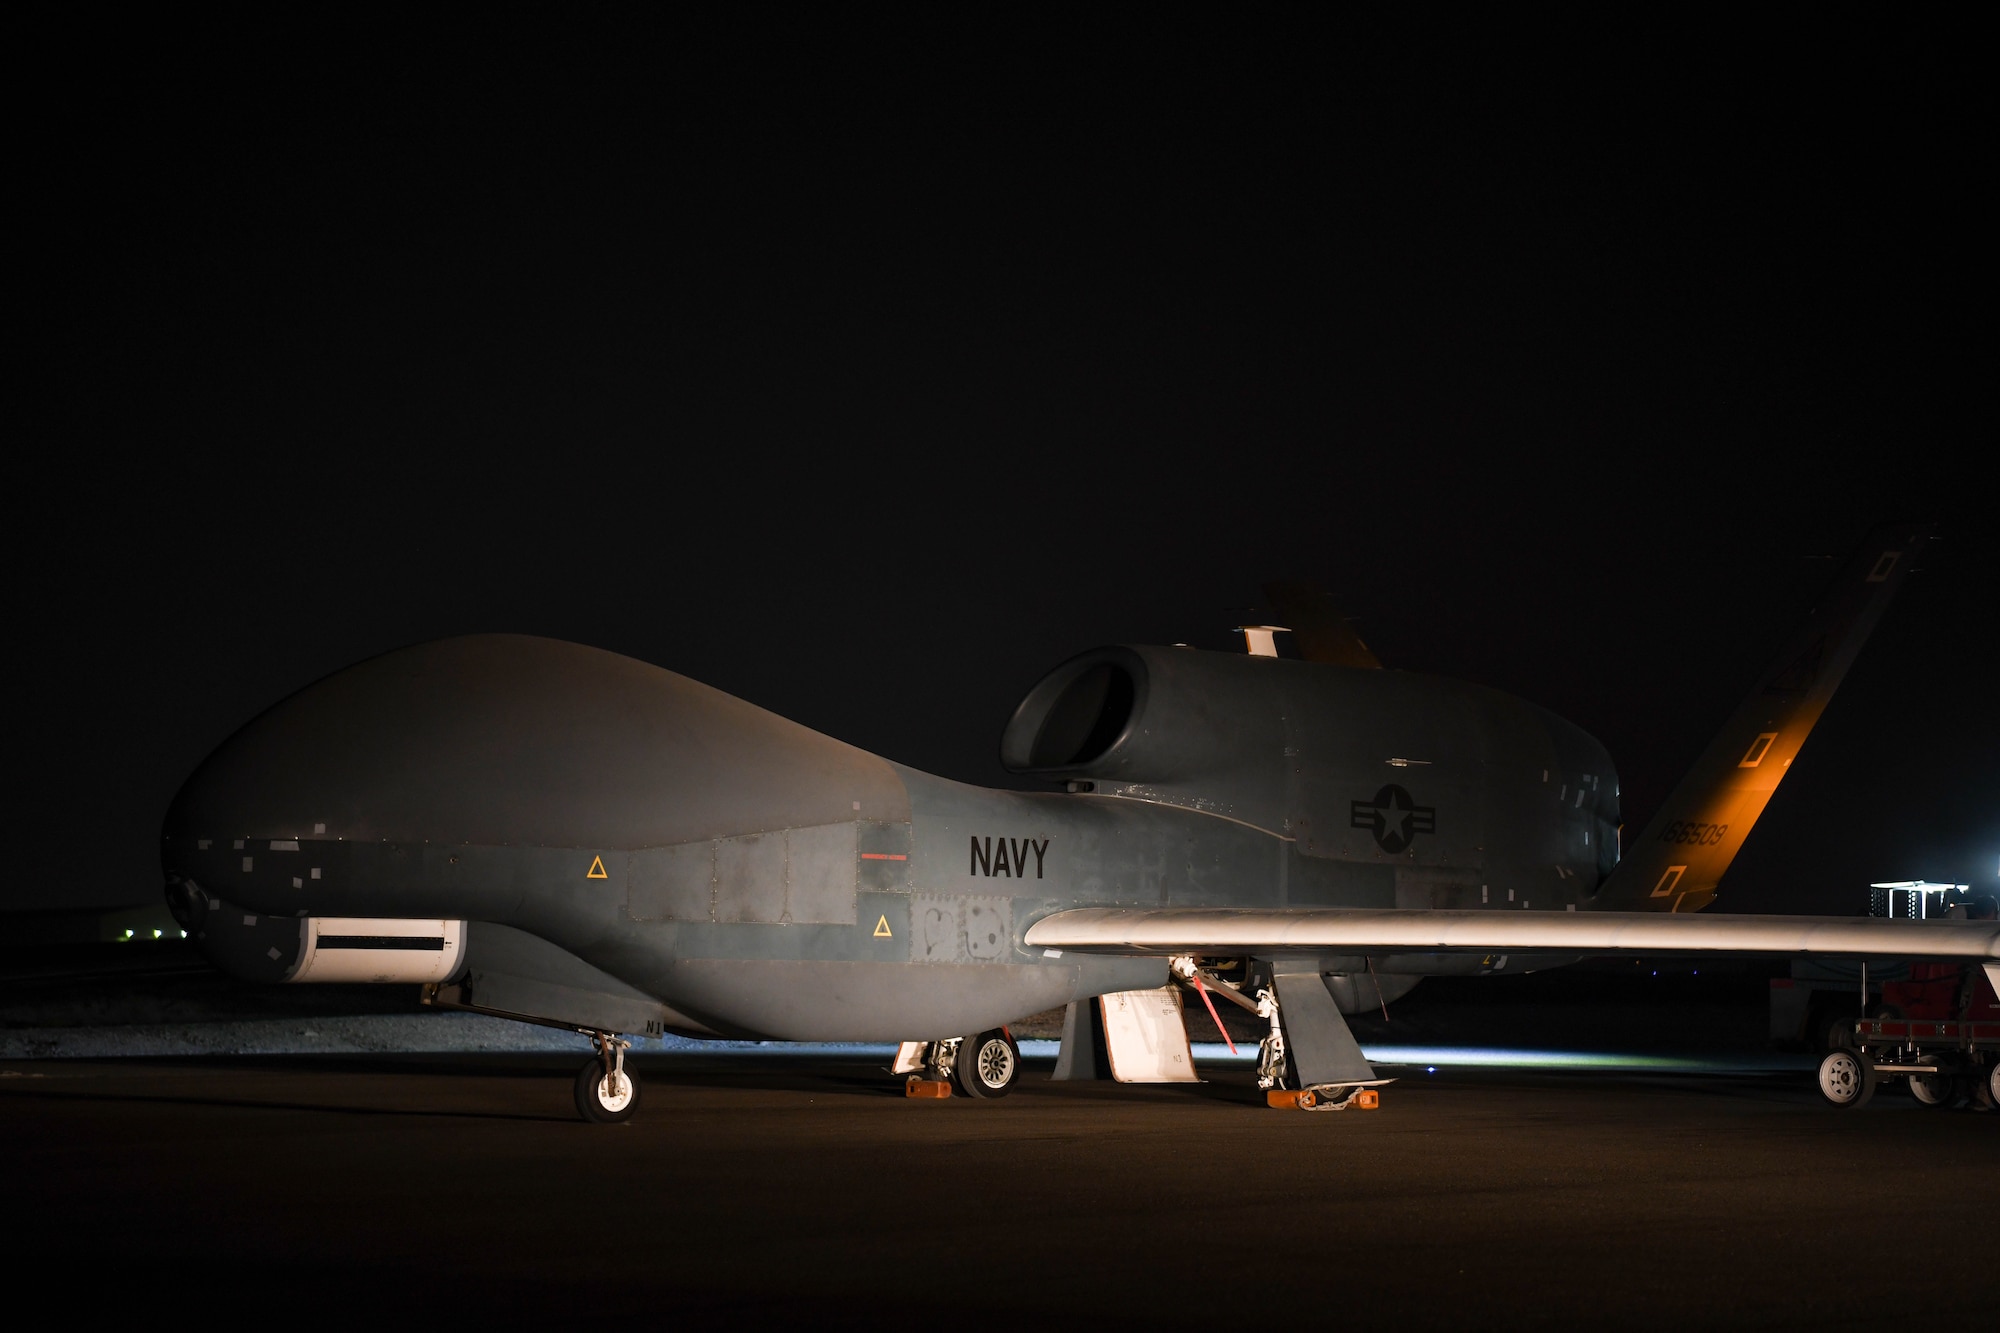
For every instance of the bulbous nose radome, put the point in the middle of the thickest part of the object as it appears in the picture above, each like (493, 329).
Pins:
(520, 741)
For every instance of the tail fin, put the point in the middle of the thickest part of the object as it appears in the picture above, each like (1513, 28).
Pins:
(1676, 864)
(1318, 631)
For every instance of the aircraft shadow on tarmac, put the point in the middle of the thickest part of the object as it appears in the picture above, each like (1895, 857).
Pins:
(318, 1108)
(774, 1079)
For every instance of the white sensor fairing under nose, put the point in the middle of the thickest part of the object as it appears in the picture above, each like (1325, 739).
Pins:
(379, 949)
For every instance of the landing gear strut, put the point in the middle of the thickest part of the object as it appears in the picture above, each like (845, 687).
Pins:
(1272, 1069)
(606, 1093)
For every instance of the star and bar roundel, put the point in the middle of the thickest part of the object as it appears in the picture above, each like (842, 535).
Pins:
(1394, 818)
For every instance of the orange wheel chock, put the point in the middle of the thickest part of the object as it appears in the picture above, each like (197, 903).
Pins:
(1288, 1099)
(924, 1087)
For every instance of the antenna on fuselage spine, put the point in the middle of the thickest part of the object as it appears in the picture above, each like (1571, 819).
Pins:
(1319, 632)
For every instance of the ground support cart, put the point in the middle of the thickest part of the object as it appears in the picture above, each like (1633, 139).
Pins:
(1946, 1061)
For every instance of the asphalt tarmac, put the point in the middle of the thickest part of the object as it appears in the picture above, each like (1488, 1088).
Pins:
(312, 1191)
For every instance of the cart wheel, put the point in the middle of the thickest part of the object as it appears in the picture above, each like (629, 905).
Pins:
(1940, 1089)
(1993, 1085)
(1847, 1078)
(1835, 1031)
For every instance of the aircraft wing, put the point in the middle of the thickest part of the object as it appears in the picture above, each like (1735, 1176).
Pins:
(1180, 930)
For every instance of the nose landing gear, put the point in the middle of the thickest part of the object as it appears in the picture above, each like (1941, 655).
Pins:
(606, 1093)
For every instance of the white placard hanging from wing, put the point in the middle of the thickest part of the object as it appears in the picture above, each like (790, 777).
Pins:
(1146, 1036)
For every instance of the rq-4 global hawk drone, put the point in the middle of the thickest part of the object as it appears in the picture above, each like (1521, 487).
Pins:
(560, 835)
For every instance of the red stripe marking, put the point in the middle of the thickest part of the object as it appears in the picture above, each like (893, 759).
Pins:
(883, 856)
(1202, 991)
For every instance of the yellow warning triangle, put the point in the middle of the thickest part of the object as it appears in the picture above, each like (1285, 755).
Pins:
(597, 869)
(882, 931)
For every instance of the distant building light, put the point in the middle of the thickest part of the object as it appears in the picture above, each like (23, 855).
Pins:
(1912, 898)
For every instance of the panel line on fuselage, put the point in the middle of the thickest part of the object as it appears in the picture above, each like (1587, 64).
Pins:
(1190, 809)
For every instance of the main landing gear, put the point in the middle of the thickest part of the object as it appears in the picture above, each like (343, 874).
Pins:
(981, 1067)
(606, 1092)
(1283, 1088)
(988, 1065)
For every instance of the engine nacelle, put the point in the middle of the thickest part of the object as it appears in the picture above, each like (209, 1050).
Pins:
(1354, 764)
(1141, 715)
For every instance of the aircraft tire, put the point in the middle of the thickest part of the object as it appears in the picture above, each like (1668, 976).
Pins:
(1847, 1079)
(988, 1065)
(593, 1102)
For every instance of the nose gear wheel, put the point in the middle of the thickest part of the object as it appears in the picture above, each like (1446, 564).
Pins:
(607, 1093)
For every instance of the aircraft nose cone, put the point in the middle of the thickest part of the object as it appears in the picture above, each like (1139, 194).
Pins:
(486, 739)
(508, 740)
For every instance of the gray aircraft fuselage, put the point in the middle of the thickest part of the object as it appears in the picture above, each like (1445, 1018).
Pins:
(755, 878)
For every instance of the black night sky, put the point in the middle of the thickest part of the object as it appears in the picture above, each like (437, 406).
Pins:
(868, 372)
